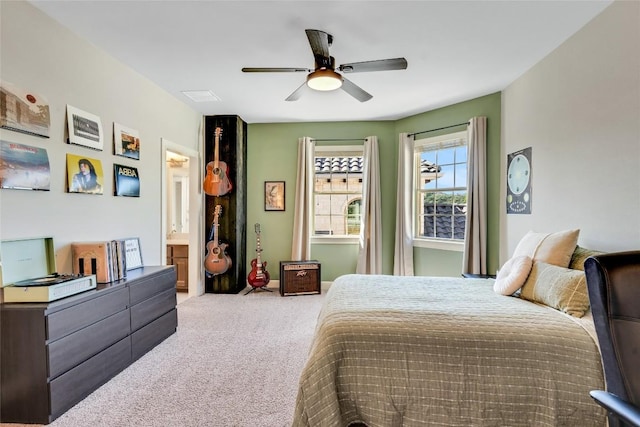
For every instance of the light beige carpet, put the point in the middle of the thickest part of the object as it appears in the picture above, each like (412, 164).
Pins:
(234, 361)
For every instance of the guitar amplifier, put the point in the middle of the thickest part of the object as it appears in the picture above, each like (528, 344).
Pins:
(299, 277)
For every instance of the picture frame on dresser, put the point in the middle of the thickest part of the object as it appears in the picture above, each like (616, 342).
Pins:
(133, 253)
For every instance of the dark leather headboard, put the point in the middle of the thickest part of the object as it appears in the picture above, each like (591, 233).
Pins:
(613, 282)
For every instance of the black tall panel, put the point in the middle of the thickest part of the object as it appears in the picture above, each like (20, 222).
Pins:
(232, 221)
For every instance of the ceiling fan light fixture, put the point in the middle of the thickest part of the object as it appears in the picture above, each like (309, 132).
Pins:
(324, 80)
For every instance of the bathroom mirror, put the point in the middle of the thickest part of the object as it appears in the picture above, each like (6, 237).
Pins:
(178, 200)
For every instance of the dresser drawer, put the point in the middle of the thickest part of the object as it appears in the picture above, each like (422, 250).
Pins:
(74, 318)
(73, 349)
(73, 386)
(147, 337)
(151, 286)
(152, 308)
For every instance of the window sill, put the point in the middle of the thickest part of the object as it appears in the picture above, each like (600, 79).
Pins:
(335, 240)
(443, 245)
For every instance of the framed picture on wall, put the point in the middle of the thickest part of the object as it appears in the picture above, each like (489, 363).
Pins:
(84, 128)
(126, 180)
(519, 182)
(274, 196)
(84, 175)
(126, 142)
(23, 167)
(23, 110)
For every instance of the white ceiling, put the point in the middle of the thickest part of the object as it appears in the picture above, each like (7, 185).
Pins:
(456, 50)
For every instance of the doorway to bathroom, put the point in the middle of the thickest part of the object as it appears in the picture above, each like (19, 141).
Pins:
(181, 208)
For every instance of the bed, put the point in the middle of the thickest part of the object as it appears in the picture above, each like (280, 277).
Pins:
(408, 351)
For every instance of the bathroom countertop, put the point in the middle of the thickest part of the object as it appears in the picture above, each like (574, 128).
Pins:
(177, 242)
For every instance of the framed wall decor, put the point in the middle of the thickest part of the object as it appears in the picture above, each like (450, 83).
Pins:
(519, 182)
(23, 111)
(127, 181)
(84, 128)
(84, 175)
(274, 196)
(126, 142)
(23, 167)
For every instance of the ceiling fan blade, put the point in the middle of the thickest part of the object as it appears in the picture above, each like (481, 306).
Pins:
(320, 42)
(379, 65)
(275, 70)
(356, 91)
(297, 93)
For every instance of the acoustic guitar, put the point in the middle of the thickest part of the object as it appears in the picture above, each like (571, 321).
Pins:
(217, 182)
(258, 276)
(217, 261)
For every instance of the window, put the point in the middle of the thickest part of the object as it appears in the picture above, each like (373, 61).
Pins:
(440, 173)
(337, 194)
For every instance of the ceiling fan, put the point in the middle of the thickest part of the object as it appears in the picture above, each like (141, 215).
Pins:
(325, 77)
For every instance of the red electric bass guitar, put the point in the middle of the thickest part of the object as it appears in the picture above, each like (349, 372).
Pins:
(217, 261)
(217, 182)
(258, 276)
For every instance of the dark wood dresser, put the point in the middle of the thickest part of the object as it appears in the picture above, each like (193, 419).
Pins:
(53, 355)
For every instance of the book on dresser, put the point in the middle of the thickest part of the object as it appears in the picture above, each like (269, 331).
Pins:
(106, 259)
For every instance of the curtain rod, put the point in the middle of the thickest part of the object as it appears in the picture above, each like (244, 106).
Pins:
(433, 130)
(339, 139)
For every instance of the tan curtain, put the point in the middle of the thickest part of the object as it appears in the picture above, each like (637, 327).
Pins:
(302, 215)
(370, 252)
(475, 237)
(403, 253)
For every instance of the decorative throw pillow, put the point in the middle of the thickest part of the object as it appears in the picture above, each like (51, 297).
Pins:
(552, 248)
(561, 288)
(579, 257)
(512, 275)
(529, 244)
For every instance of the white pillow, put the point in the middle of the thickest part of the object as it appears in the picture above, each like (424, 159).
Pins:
(552, 248)
(512, 275)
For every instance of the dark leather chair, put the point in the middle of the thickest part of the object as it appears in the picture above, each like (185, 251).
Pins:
(613, 282)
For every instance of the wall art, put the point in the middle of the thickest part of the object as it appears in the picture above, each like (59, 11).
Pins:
(274, 196)
(23, 111)
(126, 142)
(519, 182)
(84, 128)
(127, 181)
(84, 175)
(23, 167)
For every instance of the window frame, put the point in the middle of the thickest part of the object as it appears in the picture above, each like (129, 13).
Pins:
(333, 151)
(418, 148)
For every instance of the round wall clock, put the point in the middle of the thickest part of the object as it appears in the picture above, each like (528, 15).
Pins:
(519, 182)
(518, 174)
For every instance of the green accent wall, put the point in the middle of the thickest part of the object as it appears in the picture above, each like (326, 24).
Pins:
(430, 262)
(272, 156)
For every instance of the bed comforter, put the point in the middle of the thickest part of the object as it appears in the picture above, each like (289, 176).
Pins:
(414, 351)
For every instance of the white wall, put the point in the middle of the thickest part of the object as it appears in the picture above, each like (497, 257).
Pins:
(579, 110)
(37, 53)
